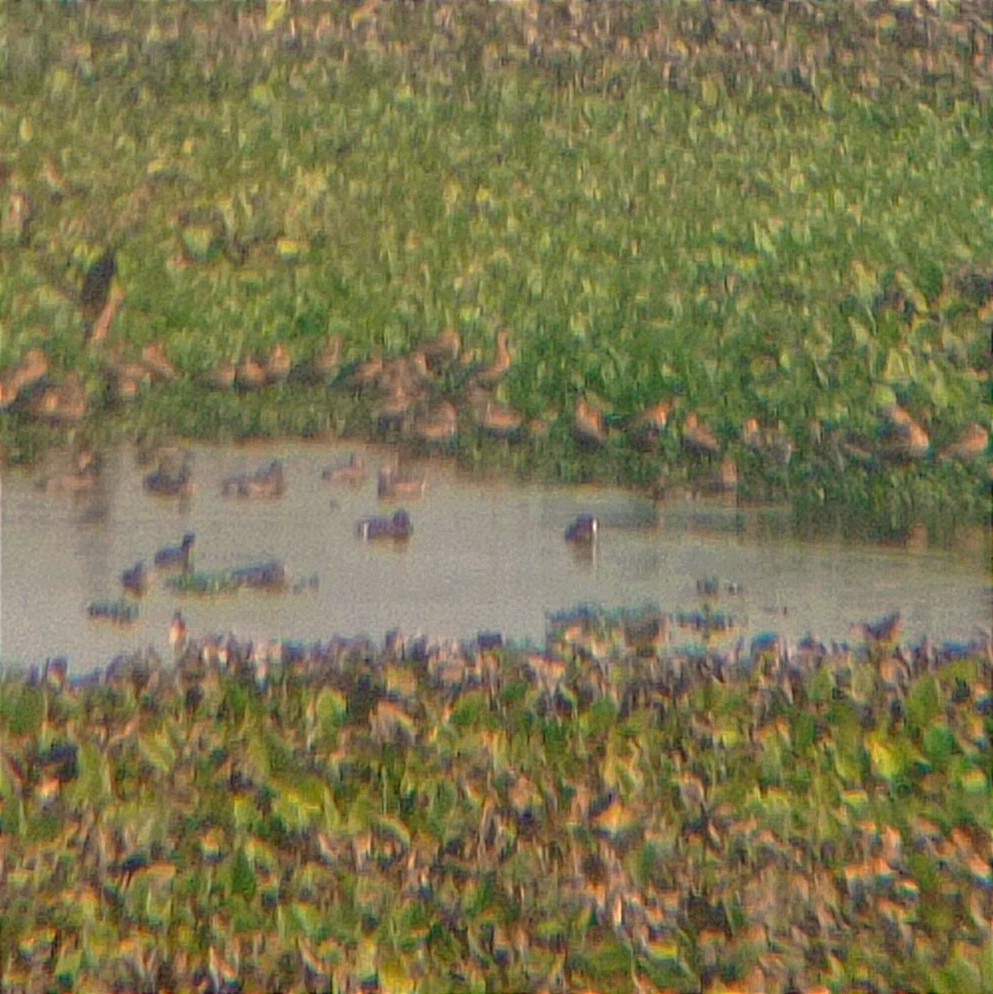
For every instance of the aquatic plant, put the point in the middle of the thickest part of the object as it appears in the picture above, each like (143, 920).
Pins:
(704, 209)
(593, 815)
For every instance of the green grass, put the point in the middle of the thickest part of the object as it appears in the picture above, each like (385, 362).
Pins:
(752, 228)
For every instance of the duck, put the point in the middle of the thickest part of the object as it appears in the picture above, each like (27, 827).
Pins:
(352, 471)
(250, 374)
(437, 425)
(327, 361)
(442, 351)
(267, 481)
(157, 363)
(971, 444)
(362, 375)
(698, 438)
(886, 631)
(136, 579)
(178, 633)
(169, 481)
(772, 443)
(584, 529)
(392, 484)
(647, 428)
(96, 287)
(269, 575)
(587, 424)
(64, 404)
(397, 527)
(81, 478)
(497, 370)
(223, 375)
(105, 320)
(32, 368)
(708, 586)
(278, 365)
(172, 557)
(902, 438)
(724, 480)
(500, 420)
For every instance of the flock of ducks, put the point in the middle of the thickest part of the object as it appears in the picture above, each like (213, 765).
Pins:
(433, 392)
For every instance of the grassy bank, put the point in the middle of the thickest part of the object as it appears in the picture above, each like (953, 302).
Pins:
(611, 814)
(778, 212)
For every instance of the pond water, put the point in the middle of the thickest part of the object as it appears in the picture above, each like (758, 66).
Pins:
(485, 555)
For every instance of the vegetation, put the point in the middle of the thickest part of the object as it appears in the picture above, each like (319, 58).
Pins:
(776, 211)
(612, 814)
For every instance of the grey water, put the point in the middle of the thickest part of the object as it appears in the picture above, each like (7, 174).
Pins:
(486, 555)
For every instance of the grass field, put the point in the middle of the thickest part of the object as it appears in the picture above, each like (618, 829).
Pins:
(768, 211)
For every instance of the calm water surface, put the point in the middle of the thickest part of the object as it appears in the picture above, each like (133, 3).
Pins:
(485, 555)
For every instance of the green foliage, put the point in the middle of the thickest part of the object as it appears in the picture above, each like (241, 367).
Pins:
(732, 232)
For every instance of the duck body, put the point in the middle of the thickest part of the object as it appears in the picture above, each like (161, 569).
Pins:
(135, 580)
(587, 424)
(268, 481)
(169, 483)
(397, 527)
(583, 530)
(176, 557)
(391, 485)
(352, 471)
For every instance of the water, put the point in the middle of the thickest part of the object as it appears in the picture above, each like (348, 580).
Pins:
(485, 555)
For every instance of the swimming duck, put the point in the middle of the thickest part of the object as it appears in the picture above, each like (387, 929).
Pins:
(172, 557)
(708, 586)
(135, 580)
(269, 575)
(352, 471)
(392, 484)
(82, 477)
(397, 527)
(168, 481)
(268, 481)
(583, 529)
